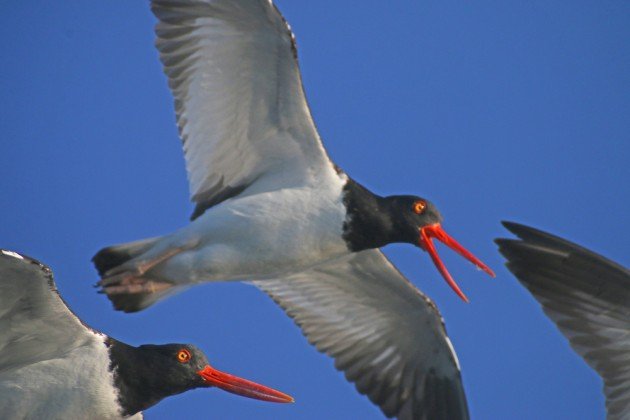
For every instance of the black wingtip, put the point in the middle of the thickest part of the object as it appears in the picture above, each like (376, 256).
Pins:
(506, 224)
(521, 230)
(541, 238)
(502, 242)
(505, 244)
(515, 249)
(531, 234)
(526, 244)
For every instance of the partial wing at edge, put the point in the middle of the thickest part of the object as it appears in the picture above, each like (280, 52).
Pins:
(587, 296)
(35, 323)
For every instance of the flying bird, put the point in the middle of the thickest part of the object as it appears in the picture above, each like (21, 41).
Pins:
(586, 295)
(54, 366)
(272, 208)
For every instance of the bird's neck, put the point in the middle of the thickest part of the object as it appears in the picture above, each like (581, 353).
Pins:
(139, 384)
(369, 222)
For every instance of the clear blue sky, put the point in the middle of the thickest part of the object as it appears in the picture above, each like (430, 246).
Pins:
(493, 110)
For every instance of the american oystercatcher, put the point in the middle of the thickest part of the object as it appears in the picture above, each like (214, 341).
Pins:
(586, 295)
(54, 366)
(272, 208)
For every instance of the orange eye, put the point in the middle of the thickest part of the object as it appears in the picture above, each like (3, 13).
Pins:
(419, 206)
(183, 356)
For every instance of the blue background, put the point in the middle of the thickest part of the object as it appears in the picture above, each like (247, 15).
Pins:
(493, 110)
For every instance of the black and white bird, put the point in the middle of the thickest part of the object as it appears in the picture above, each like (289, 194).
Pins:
(587, 296)
(272, 208)
(54, 366)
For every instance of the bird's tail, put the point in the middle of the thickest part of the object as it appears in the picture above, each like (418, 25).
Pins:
(129, 292)
(116, 255)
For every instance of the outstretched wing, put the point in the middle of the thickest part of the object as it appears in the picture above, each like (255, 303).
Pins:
(241, 110)
(386, 336)
(35, 324)
(587, 296)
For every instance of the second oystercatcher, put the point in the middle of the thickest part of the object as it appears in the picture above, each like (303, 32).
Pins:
(52, 366)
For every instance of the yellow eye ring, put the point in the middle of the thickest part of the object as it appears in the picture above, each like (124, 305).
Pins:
(183, 356)
(419, 206)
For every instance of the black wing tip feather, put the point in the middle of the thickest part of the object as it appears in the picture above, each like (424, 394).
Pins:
(533, 244)
(534, 250)
(539, 237)
(518, 251)
(532, 235)
(554, 268)
(532, 239)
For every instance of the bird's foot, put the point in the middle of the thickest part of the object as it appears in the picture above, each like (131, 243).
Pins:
(122, 279)
(148, 286)
(126, 284)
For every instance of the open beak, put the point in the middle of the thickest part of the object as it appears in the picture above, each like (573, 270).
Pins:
(240, 386)
(436, 231)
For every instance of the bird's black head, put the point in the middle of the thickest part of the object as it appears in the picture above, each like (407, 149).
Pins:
(417, 221)
(373, 221)
(148, 373)
(178, 365)
(409, 213)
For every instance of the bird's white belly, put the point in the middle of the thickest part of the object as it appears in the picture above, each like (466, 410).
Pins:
(73, 386)
(263, 235)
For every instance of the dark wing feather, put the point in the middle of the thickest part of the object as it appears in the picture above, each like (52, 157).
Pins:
(587, 296)
(387, 337)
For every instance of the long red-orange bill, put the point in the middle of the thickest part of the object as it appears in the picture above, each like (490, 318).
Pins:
(240, 386)
(436, 231)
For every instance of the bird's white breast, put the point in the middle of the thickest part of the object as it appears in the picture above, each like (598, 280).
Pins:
(75, 385)
(265, 234)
